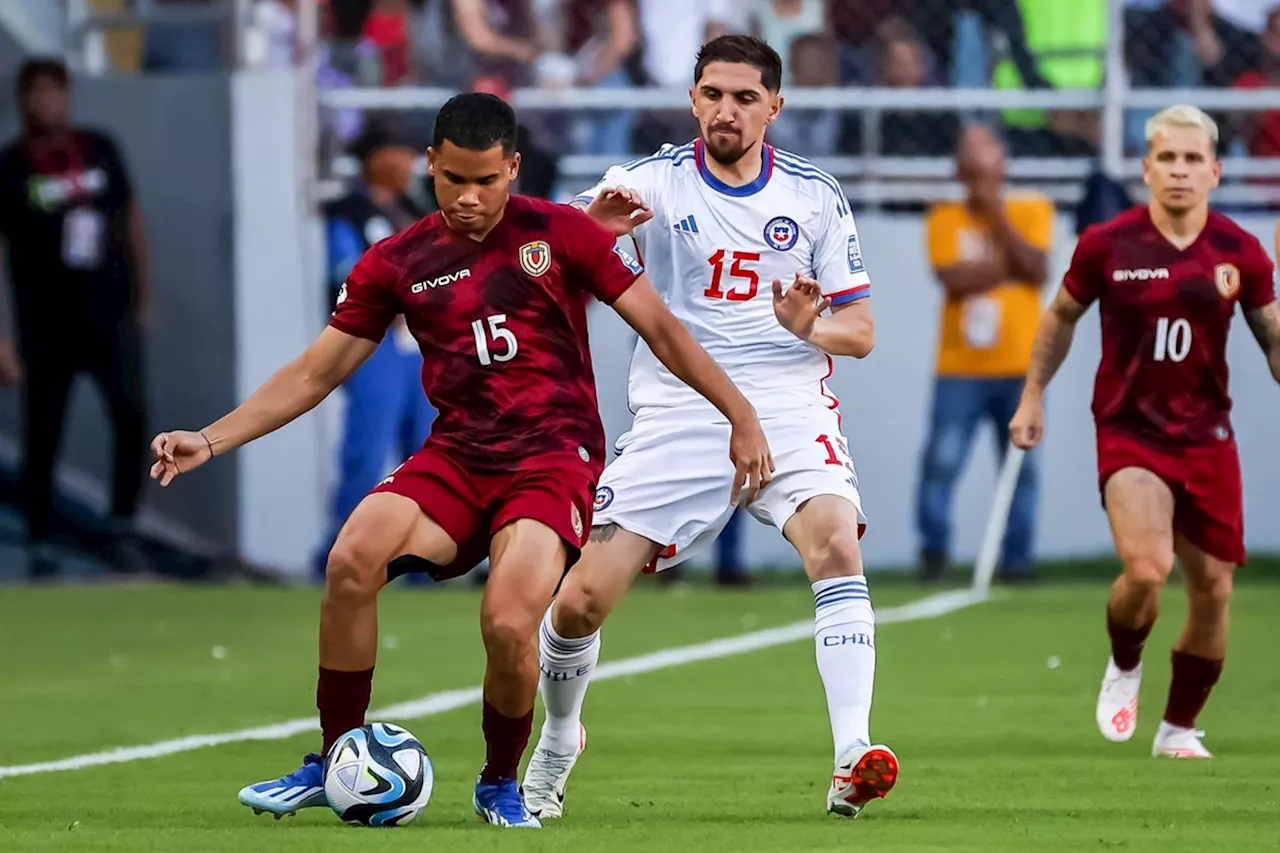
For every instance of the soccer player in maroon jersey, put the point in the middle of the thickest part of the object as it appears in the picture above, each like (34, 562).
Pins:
(1167, 278)
(494, 287)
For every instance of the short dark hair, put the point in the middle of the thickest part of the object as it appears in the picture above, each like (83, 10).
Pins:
(476, 121)
(378, 134)
(38, 68)
(747, 50)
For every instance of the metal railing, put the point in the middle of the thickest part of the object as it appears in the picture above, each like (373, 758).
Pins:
(877, 177)
(874, 178)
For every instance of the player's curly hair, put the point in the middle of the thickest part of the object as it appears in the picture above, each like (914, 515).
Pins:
(747, 50)
(476, 121)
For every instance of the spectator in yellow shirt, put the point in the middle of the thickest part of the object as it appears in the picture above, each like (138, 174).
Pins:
(989, 253)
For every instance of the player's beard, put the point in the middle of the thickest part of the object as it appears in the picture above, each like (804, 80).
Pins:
(726, 150)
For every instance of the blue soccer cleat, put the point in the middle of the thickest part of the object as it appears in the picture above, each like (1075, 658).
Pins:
(503, 805)
(301, 789)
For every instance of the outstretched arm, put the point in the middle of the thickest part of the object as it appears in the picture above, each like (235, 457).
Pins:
(1264, 322)
(643, 309)
(291, 391)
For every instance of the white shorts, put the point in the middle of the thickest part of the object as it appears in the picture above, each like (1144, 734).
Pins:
(672, 479)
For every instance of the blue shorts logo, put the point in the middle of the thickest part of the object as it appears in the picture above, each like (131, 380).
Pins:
(628, 261)
(855, 255)
(781, 233)
(604, 497)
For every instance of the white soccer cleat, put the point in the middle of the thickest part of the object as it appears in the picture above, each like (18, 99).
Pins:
(1176, 742)
(545, 779)
(1118, 702)
(862, 774)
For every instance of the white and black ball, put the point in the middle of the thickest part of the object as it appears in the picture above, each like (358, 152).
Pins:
(378, 775)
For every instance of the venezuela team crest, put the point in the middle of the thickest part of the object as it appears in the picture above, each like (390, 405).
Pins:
(535, 257)
(1227, 278)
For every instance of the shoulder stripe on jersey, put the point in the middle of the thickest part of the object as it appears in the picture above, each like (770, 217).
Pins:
(802, 168)
(663, 151)
(802, 162)
(674, 161)
(841, 205)
(584, 198)
(669, 154)
(853, 294)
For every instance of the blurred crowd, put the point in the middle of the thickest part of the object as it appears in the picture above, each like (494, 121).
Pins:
(498, 45)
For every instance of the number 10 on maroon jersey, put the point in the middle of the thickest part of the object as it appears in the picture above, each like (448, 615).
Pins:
(1165, 315)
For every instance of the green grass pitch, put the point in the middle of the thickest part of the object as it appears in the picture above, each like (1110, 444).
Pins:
(990, 710)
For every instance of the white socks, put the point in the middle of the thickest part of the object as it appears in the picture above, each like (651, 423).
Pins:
(844, 638)
(567, 666)
(844, 630)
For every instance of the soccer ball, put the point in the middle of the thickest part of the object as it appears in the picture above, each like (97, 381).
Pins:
(378, 775)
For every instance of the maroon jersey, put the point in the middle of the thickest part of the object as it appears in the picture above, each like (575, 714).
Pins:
(502, 325)
(1165, 316)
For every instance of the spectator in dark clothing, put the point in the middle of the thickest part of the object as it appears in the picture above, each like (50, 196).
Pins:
(79, 272)
(902, 63)
(1261, 130)
(856, 24)
(387, 415)
(1183, 43)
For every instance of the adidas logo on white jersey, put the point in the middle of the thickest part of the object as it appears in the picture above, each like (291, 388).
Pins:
(688, 225)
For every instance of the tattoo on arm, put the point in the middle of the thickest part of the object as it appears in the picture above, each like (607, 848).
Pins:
(1264, 322)
(1053, 340)
(603, 533)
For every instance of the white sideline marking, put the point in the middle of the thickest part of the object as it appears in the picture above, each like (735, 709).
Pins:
(448, 700)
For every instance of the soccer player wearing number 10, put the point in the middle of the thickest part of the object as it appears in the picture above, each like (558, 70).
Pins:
(1167, 278)
(720, 222)
(494, 288)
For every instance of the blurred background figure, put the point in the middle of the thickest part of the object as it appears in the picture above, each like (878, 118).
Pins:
(184, 46)
(78, 266)
(587, 43)
(989, 254)
(814, 60)
(387, 415)
(731, 564)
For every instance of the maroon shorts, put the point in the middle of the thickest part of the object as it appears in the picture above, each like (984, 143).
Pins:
(557, 490)
(1205, 481)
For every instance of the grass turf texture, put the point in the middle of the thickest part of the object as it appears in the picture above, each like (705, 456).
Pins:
(998, 748)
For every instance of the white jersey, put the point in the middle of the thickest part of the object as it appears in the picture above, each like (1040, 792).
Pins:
(713, 252)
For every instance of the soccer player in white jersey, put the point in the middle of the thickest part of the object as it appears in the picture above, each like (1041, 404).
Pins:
(750, 246)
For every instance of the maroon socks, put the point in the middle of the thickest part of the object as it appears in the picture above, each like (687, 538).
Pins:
(1193, 679)
(1126, 643)
(343, 699)
(505, 739)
